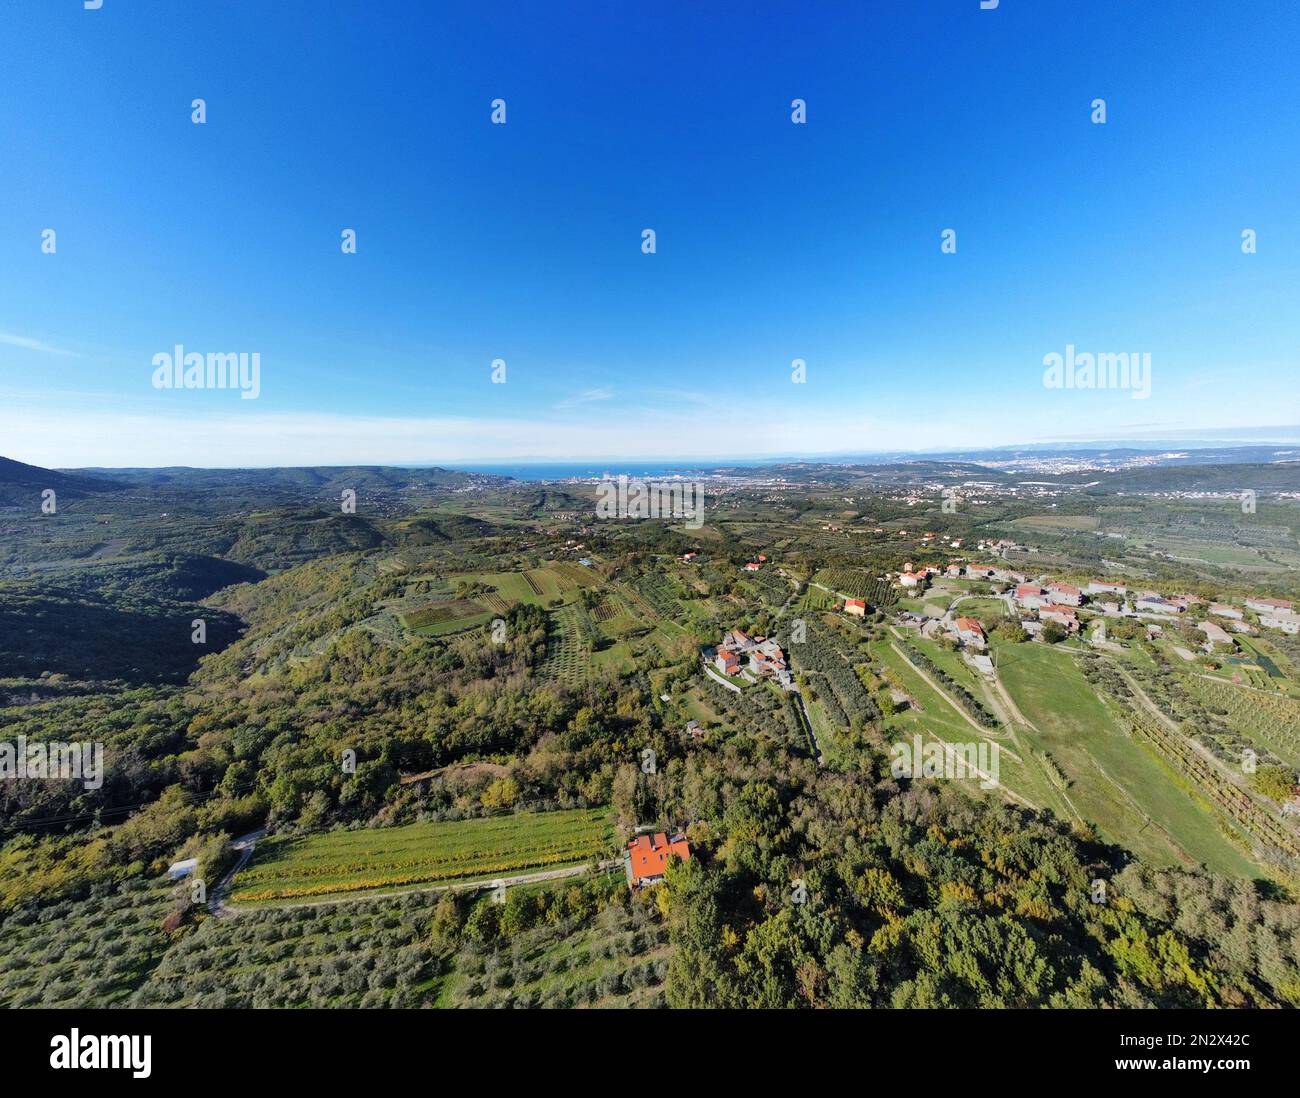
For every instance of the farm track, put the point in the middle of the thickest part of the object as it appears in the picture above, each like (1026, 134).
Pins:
(464, 886)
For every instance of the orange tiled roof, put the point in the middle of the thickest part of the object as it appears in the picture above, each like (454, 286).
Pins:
(649, 855)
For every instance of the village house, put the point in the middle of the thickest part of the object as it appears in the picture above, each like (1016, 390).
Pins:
(913, 579)
(766, 658)
(753, 566)
(1065, 594)
(1214, 634)
(1219, 610)
(1100, 587)
(1269, 606)
(1062, 615)
(856, 607)
(1288, 623)
(727, 662)
(1031, 596)
(953, 571)
(971, 632)
(1154, 604)
(648, 856)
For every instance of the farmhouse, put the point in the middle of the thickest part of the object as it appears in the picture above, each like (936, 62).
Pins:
(647, 857)
(954, 571)
(1100, 587)
(913, 579)
(857, 607)
(753, 566)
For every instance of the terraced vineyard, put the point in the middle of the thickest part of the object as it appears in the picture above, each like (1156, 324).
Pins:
(1236, 802)
(340, 863)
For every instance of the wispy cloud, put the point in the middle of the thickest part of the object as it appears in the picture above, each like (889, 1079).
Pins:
(587, 396)
(11, 340)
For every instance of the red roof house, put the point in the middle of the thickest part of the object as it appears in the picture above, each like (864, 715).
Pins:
(647, 857)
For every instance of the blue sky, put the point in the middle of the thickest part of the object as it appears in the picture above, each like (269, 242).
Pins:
(522, 242)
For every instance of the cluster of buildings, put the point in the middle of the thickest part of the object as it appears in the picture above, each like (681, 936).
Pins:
(763, 655)
(1276, 614)
(755, 565)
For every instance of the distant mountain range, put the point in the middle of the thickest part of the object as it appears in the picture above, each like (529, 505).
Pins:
(1264, 468)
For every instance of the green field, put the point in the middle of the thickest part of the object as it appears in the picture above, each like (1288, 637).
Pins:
(1132, 797)
(342, 863)
(449, 616)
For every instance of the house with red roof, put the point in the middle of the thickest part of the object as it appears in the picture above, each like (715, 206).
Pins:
(1062, 615)
(648, 856)
(971, 631)
(857, 607)
(1031, 596)
(1065, 594)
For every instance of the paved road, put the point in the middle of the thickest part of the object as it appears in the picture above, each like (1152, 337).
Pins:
(244, 844)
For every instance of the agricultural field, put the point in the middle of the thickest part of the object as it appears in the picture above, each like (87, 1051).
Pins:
(452, 616)
(366, 954)
(569, 637)
(1132, 796)
(88, 953)
(856, 583)
(1268, 719)
(348, 863)
(620, 961)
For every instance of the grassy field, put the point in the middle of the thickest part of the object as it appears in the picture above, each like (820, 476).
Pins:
(938, 719)
(538, 586)
(1115, 783)
(342, 863)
